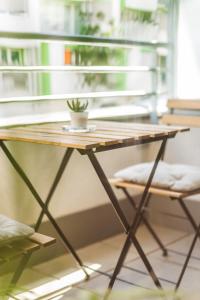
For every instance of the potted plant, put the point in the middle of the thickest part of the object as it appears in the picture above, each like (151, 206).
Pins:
(78, 113)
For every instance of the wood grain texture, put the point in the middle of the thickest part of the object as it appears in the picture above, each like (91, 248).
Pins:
(187, 104)
(192, 121)
(41, 239)
(106, 134)
(153, 190)
(19, 248)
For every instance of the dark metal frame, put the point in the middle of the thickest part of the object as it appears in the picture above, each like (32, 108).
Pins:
(45, 210)
(144, 219)
(196, 236)
(188, 257)
(189, 216)
(130, 230)
(86, 39)
(196, 230)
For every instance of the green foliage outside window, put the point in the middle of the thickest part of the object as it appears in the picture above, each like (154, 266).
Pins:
(142, 16)
(98, 56)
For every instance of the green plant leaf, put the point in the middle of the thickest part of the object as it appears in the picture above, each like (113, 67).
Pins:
(77, 105)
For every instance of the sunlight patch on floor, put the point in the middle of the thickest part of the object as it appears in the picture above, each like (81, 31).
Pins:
(58, 286)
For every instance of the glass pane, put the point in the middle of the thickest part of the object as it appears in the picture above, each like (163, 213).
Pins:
(102, 18)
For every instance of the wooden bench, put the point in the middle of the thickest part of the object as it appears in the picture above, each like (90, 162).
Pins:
(183, 106)
(181, 112)
(28, 245)
(171, 118)
(22, 250)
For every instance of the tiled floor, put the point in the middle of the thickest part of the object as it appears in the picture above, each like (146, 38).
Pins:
(54, 279)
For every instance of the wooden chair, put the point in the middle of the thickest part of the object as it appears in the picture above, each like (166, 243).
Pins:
(20, 249)
(24, 246)
(178, 115)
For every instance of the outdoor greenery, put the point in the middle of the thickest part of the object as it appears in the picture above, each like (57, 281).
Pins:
(139, 294)
(77, 105)
(136, 294)
(5, 292)
(91, 24)
(147, 17)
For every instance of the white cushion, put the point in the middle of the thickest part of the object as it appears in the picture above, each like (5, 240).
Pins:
(11, 230)
(175, 177)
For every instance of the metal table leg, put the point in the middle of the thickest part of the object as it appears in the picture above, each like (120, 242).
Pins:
(188, 214)
(188, 257)
(26, 258)
(59, 174)
(130, 231)
(43, 206)
(146, 222)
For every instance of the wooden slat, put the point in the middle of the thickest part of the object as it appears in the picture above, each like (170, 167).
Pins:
(117, 127)
(134, 132)
(30, 244)
(100, 136)
(111, 132)
(129, 126)
(138, 128)
(112, 135)
(50, 140)
(192, 121)
(141, 127)
(9, 253)
(77, 137)
(41, 239)
(184, 104)
(153, 190)
(106, 134)
(162, 128)
(25, 245)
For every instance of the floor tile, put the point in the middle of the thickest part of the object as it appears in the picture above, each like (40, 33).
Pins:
(58, 267)
(71, 293)
(167, 235)
(183, 246)
(103, 254)
(99, 285)
(101, 258)
(168, 270)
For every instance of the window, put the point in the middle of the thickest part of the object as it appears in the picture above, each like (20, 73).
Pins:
(13, 6)
(136, 71)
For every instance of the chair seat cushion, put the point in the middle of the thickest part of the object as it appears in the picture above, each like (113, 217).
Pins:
(177, 177)
(11, 230)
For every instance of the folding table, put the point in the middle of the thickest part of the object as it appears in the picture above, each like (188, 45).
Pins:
(107, 136)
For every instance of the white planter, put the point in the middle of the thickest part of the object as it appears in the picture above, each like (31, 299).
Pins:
(79, 119)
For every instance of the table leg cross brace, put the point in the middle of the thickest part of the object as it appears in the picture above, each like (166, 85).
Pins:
(43, 205)
(130, 230)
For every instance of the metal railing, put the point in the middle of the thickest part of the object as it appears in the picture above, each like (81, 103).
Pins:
(88, 41)
(80, 69)
(80, 39)
(78, 95)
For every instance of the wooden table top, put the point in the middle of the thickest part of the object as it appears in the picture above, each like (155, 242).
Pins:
(106, 134)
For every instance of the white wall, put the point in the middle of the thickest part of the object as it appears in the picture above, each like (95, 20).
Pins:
(188, 74)
(27, 22)
(188, 60)
(80, 189)
(185, 148)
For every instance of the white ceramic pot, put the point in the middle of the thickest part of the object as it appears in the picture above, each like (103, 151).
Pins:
(79, 119)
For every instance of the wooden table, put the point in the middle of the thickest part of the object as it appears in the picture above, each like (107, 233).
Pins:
(108, 136)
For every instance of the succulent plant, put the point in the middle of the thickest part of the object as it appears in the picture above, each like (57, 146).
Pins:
(77, 105)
